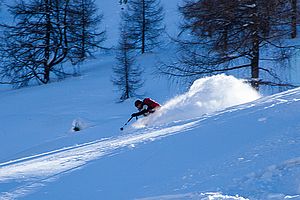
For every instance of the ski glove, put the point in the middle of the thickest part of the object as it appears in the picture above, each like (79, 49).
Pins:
(134, 115)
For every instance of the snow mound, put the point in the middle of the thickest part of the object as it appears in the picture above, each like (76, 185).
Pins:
(80, 124)
(205, 96)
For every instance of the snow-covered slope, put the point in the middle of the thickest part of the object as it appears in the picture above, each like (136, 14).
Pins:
(249, 150)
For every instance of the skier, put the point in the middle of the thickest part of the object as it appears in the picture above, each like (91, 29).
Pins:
(145, 107)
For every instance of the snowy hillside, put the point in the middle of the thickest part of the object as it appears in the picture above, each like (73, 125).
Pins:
(249, 150)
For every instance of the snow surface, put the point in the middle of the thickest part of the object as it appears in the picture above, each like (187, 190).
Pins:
(228, 153)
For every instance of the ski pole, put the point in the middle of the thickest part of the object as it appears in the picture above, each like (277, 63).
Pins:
(122, 128)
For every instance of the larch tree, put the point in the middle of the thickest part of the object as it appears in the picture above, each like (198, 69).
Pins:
(84, 34)
(144, 19)
(224, 36)
(41, 39)
(127, 75)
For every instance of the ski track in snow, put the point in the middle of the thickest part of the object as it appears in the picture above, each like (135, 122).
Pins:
(35, 171)
(195, 196)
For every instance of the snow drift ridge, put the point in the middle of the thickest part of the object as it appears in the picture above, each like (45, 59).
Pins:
(205, 96)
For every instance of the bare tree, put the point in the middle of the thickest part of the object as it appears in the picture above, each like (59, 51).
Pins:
(127, 75)
(144, 19)
(42, 38)
(84, 36)
(35, 44)
(232, 35)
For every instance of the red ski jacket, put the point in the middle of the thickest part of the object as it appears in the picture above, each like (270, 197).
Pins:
(148, 107)
(150, 103)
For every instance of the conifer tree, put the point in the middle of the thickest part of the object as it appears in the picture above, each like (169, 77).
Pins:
(226, 36)
(85, 37)
(144, 19)
(127, 75)
(46, 34)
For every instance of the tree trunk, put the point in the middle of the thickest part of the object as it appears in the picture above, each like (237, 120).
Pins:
(255, 63)
(294, 18)
(83, 52)
(225, 39)
(47, 68)
(255, 49)
(143, 25)
(126, 63)
(46, 74)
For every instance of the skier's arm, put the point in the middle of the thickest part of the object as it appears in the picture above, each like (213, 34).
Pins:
(139, 113)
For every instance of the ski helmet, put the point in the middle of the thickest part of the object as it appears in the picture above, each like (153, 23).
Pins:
(137, 103)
